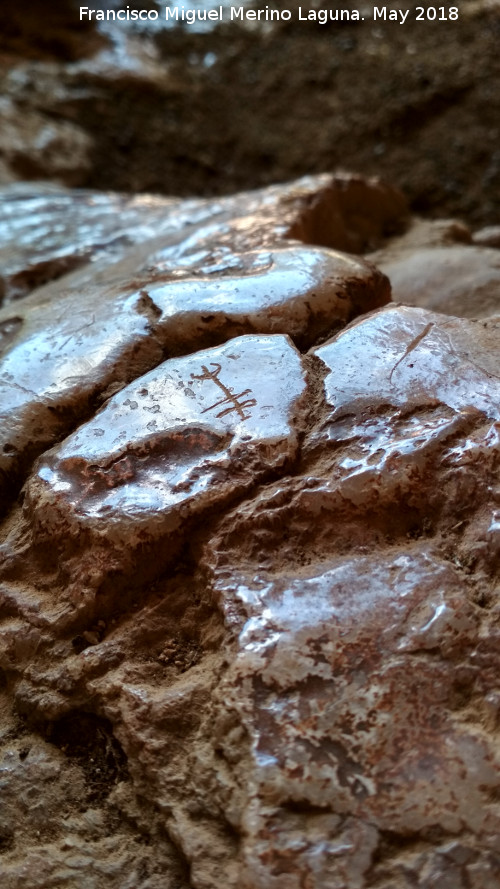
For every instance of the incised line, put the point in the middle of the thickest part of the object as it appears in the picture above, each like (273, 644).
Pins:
(413, 345)
(229, 396)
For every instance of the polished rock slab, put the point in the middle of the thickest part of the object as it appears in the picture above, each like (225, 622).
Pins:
(179, 440)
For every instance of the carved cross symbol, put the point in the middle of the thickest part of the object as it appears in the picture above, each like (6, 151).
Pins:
(229, 397)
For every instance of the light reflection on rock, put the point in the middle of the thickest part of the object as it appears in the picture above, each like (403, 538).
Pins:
(46, 231)
(62, 357)
(182, 438)
(355, 613)
(273, 574)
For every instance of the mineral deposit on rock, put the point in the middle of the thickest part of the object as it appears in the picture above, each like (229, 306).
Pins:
(248, 567)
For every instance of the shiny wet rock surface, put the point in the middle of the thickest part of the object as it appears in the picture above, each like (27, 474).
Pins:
(249, 550)
(194, 274)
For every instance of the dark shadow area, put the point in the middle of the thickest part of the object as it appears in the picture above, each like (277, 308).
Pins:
(88, 741)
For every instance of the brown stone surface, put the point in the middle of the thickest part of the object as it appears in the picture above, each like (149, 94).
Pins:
(227, 108)
(249, 589)
(438, 267)
(488, 237)
(213, 270)
(46, 231)
(361, 592)
(32, 146)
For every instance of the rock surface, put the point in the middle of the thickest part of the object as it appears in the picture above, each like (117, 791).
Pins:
(32, 146)
(361, 594)
(438, 266)
(46, 231)
(249, 588)
(220, 109)
(213, 270)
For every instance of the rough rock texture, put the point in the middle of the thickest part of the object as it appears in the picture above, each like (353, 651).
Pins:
(248, 591)
(361, 591)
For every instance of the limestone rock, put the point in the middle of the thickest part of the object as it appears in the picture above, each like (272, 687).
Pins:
(46, 231)
(183, 439)
(248, 591)
(463, 281)
(61, 803)
(360, 593)
(437, 267)
(353, 698)
(71, 343)
(488, 237)
(32, 145)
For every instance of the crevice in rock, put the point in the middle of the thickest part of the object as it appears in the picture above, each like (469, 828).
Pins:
(88, 740)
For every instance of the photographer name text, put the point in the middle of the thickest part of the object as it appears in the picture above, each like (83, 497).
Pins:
(242, 14)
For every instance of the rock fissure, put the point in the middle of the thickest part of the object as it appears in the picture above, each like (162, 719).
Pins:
(249, 596)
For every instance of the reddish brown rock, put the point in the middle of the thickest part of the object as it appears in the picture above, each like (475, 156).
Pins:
(309, 696)
(361, 594)
(199, 281)
(436, 266)
(180, 441)
(248, 593)
(46, 232)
